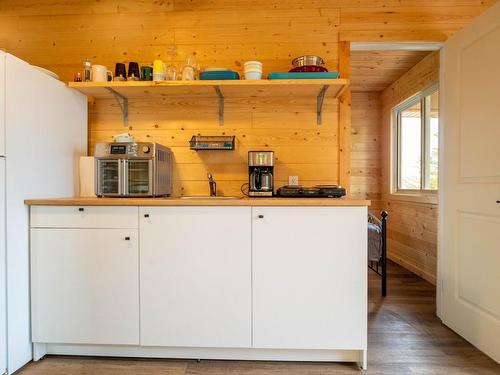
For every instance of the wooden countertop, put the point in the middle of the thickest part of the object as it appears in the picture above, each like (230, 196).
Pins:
(331, 202)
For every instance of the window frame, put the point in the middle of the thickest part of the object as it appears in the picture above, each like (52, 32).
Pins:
(423, 98)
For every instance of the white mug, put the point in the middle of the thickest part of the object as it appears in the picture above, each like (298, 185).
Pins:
(100, 73)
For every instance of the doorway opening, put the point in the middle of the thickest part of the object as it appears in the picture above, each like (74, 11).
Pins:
(394, 156)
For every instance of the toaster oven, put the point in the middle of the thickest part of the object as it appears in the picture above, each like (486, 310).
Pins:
(133, 169)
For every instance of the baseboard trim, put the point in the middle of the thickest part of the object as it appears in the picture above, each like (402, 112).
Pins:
(249, 354)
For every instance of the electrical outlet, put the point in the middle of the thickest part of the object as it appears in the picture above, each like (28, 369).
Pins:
(293, 180)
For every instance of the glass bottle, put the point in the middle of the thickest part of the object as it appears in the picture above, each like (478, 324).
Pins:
(87, 69)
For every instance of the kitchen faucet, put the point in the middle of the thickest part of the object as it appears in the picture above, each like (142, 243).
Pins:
(212, 185)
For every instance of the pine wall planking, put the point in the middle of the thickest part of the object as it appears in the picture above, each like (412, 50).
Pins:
(301, 146)
(366, 149)
(60, 34)
(412, 233)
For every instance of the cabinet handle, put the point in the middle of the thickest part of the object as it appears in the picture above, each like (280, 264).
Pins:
(261, 216)
(498, 201)
(81, 209)
(127, 238)
(146, 215)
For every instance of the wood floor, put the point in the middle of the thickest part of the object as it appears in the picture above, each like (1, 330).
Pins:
(405, 338)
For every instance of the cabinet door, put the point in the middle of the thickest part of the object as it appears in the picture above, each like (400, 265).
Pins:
(85, 286)
(309, 277)
(195, 276)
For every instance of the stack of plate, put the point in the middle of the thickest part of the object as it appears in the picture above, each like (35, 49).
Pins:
(218, 74)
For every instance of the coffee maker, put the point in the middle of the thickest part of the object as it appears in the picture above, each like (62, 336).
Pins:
(260, 173)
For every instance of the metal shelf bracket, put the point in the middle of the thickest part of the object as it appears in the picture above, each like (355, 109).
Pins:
(319, 104)
(123, 103)
(221, 104)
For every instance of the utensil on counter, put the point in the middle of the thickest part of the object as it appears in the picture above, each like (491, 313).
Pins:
(306, 60)
(120, 72)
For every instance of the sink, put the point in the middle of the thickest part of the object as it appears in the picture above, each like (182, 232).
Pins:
(208, 197)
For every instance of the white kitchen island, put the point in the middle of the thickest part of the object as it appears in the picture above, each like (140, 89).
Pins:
(249, 279)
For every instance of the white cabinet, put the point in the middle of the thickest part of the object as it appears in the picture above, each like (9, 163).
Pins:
(85, 286)
(195, 276)
(285, 283)
(309, 277)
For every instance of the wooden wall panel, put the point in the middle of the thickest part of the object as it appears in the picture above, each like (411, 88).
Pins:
(345, 103)
(412, 226)
(301, 146)
(377, 70)
(366, 157)
(60, 34)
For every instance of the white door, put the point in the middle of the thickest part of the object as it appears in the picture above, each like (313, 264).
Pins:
(195, 276)
(309, 277)
(85, 286)
(469, 246)
(3, 286)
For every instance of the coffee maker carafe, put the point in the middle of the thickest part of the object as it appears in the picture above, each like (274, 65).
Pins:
(260, 171)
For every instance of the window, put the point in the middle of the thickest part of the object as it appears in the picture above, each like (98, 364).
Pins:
(416, 143)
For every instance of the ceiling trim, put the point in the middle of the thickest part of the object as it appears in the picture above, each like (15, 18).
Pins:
(396, 46)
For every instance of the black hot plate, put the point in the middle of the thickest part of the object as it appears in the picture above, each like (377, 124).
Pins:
(318, 191)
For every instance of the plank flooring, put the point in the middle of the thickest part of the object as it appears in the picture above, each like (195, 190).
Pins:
(405, 338)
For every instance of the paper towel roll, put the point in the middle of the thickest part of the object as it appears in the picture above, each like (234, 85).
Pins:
(87, 176)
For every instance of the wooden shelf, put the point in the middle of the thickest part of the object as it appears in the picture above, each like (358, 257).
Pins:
(318, 89)
(229, 88)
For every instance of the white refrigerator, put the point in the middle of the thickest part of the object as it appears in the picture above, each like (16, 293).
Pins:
(3, 254)
(43, 132)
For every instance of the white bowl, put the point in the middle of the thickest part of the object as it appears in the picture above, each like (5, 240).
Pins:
(123, 138)
(253, 66)
(253, 63)
(253, 70)
(253, 75)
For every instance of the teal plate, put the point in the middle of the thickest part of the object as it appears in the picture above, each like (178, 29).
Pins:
(217, 75)
(304, 75)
